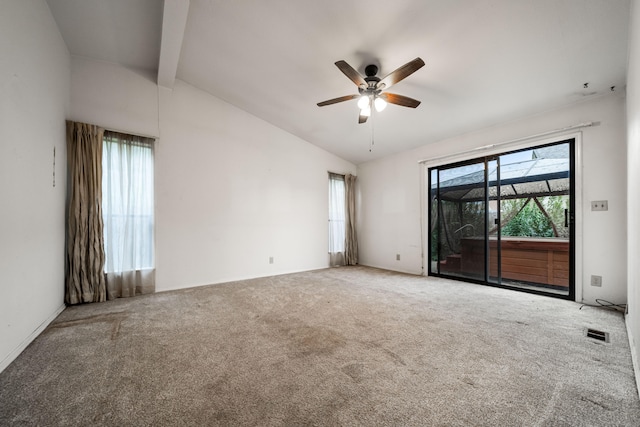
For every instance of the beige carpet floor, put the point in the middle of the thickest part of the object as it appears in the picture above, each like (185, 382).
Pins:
(351, 346)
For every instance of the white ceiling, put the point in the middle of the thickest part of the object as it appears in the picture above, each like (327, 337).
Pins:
(487, 61)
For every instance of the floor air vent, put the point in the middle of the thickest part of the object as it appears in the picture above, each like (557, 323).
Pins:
(598, 335)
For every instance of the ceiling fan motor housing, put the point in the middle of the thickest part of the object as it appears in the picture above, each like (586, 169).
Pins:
(372, 80)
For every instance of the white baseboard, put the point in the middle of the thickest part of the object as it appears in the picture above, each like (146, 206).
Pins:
(231, 279)
(32, 336)
(634, 355)
(395, 269)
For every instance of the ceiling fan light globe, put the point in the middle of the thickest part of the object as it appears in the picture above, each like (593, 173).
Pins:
(363, 102)
(366, 112)
(380, 104)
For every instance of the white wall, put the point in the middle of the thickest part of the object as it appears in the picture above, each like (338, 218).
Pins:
(390, 211)
(111, 96)
(34, 93)
(231, 189)
(633, 177)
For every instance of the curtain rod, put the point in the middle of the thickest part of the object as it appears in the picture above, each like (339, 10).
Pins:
(512, 141)
(130, 133)
(114, 130)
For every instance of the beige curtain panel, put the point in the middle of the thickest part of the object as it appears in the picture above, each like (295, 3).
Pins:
(351, 239)
(84, 281)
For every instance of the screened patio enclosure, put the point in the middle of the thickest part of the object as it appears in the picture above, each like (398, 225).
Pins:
(505, 220)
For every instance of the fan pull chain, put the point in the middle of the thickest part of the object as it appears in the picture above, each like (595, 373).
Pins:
(372, 141)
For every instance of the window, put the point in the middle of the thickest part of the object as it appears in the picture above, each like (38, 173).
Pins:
(336, 213)
(127, 202)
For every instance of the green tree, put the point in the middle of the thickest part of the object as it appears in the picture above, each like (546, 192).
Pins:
(531, 221)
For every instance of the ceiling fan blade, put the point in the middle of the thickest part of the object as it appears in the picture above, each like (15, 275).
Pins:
(404, 101)
(336, 100)
(401, 73)
(362, 119)
(350, 72)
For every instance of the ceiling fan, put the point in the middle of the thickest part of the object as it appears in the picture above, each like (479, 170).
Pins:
(371, 88)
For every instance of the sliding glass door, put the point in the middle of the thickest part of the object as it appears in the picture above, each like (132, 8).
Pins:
(506, 220)
(460, 219)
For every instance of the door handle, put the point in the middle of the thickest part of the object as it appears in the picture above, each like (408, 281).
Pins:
(566, 217)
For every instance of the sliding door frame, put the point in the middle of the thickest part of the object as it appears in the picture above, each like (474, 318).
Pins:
(576, 291)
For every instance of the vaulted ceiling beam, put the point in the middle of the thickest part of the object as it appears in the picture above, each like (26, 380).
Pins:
(174, 22)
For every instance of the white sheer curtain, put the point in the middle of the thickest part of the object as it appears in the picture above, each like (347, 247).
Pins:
(336, 219)
(127, 207)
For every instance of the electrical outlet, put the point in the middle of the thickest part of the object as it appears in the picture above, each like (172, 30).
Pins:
(600, 205)
(596, 281)
(270, 260)
(397, 257)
